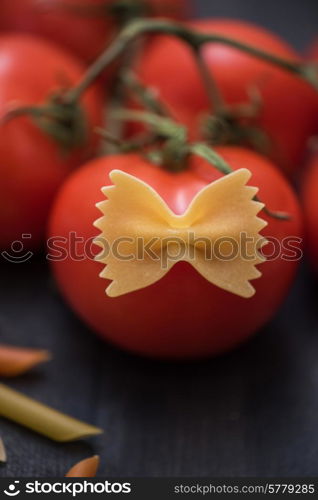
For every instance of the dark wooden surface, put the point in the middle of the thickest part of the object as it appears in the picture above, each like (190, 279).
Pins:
(251, 412)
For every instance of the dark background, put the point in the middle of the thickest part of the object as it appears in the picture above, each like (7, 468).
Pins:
(251, 412)
(295, 20)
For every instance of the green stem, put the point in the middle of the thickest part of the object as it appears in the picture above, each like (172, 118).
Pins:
(64, 121)
(145, 95)
(217, 104)
(109, 137)
(163, 126)
(195, 39)
(119, 94)
(211, 156)
(140, 142)
(275, 215)
(50, 112)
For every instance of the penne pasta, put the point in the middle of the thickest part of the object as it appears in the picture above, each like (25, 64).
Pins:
(41, 418)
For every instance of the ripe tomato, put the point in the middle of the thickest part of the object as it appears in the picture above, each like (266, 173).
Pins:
(82, 26)
(310, 202)
(182, 315)
(32, 164)
(289, 105)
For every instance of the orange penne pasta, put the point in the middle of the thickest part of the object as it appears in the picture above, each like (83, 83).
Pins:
(85, 468)
(17, 360)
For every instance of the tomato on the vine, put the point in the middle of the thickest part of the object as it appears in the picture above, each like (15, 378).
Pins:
(84, 27)
(182, 315)
(32, 163)
(310, 203)
(288, 106)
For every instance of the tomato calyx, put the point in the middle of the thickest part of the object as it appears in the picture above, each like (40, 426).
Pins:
(230, 124)
(63, 121)
(67, 124)
(171, 137)
(234, 125)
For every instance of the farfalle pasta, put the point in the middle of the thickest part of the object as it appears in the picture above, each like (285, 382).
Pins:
(208, 235)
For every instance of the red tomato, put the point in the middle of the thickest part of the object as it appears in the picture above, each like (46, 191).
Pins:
(182, 315)
(32, 164)
(78, 25)
(290, 106)
(310, 202)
